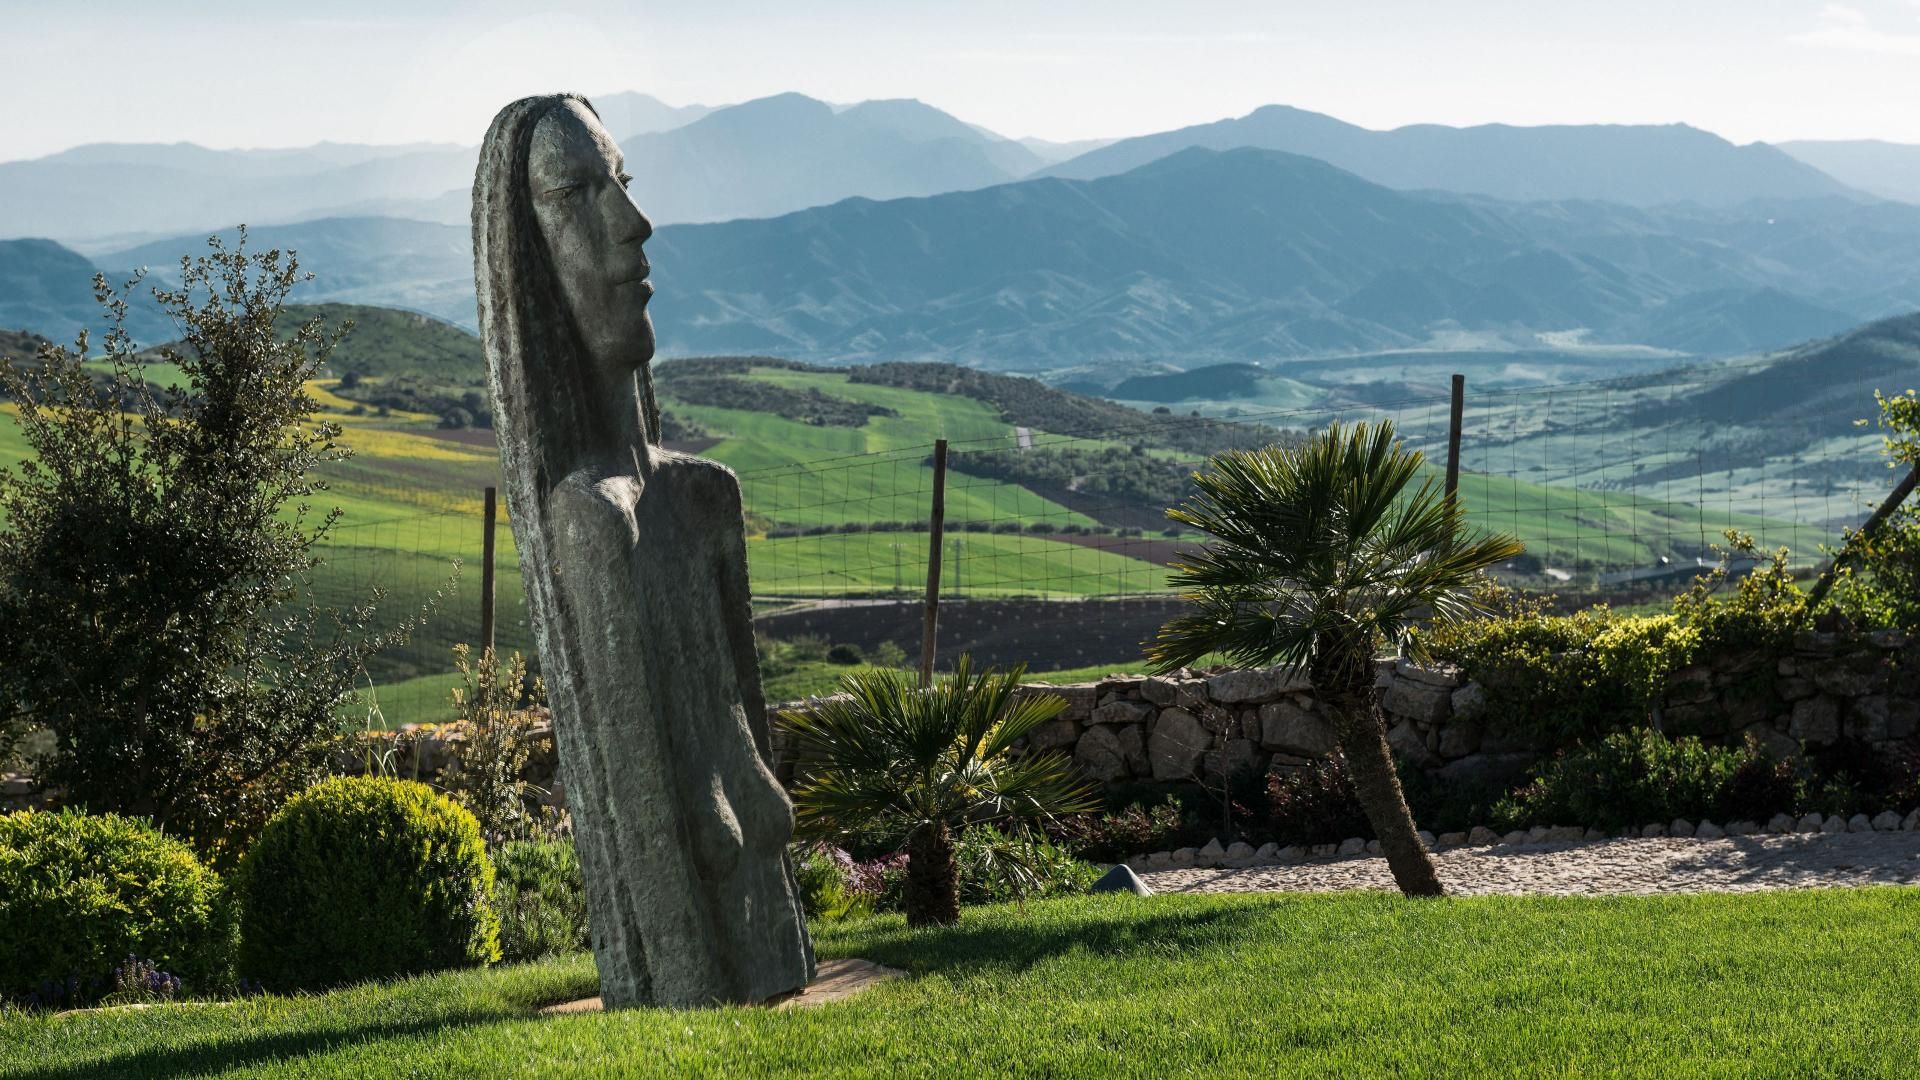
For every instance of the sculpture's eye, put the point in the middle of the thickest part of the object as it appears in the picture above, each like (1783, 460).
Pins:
(625, 180)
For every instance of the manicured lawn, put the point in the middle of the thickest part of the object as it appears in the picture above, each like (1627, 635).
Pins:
(1809, 983)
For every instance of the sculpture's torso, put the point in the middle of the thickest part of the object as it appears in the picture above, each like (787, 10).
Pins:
(660, 716)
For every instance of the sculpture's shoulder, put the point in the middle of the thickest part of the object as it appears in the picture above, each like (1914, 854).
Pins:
(707, 477)
(586, 505)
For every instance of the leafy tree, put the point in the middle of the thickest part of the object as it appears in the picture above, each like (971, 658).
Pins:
(1320, 555)
(154, 551)
(928, 763)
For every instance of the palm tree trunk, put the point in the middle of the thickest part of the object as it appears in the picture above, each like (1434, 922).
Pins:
(1362, 733)
(933, 879)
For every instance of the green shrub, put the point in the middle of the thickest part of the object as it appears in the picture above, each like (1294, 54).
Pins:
(1641, 776)
(79, 893)
(829, 888)
(1551, 679)
(363, 878)
(540, 898)
(1019, 864)
(1315, 804)
(1130, 830)
(1881, 587)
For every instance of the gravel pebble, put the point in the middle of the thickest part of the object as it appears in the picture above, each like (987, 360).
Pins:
(1624, 866)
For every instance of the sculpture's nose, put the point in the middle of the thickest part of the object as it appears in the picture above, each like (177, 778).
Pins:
(639, 229)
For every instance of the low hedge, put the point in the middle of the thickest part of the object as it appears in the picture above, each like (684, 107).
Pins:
(80, 893)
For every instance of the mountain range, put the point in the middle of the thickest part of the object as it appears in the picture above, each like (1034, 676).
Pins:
(1637, 165)
(787, 152)
(1199, 257)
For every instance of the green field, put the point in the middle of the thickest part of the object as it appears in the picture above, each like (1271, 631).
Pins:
(1806, 983)
(411, 502)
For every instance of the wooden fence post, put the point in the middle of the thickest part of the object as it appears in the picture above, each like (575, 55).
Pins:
(935, 526)
(1453, 436)
(486, 571)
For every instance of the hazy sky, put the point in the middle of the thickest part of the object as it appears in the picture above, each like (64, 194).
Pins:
(263, 73)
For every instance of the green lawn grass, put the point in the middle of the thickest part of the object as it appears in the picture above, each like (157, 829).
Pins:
(1817, 983)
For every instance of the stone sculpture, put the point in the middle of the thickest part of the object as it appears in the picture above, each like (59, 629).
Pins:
(634, 559)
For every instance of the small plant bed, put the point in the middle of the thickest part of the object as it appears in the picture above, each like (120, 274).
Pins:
(1359, 984)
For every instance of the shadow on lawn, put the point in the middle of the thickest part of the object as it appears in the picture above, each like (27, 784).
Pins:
(1005, 942)
(240, 1051)
(1112, 926)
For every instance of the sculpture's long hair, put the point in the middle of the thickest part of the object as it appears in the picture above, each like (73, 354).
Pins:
(537, 363)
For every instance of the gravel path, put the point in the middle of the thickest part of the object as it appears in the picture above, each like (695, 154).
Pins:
(1664, 865)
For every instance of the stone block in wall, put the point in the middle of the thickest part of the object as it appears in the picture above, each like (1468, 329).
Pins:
(1080, 700)
(1100, 757)
(1438, 674)
(1239, 757)
(1217, 719)
(1123, 686)
(1054, 734)
(1888, 639)
(1815, 720)
(1468, 701)
(1418, 700)
(1160, 691)
(1121, 712)
(1460, 737)
(1903, 718)
(1775, 742)
(1690, 685)
(1133, 746)
(1815, 642)
(1852, 675)
(1177, 745)
(1286, 727)
(1405, 739)
(1185, 693)
(1867, 719)
(1254, 686)
(1793, 688)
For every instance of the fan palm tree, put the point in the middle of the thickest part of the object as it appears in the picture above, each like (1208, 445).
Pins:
(928, 762)
(1320, 555)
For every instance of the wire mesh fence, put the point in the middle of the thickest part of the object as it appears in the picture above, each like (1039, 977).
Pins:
(1616, 487)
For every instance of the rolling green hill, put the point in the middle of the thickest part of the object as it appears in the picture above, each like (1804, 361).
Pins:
(839, 509)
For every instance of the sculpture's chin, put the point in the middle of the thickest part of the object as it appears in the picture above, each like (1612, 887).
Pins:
(643, 339)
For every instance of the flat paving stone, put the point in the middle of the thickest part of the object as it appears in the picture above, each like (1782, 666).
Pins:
(1630, 866)
(833, 980)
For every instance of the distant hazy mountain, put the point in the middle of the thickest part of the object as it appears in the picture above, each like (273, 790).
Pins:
(1051, 153)
(627, 114)
(1255, 254)
(1819, 388)
(384, 261)
(98, 192)
(1196, 258)
(1637, 165)
(784, 153)
(1887, 169)
(46, 289)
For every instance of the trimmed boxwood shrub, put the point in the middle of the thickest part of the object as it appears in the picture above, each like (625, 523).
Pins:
(365, 878)
(540, 898)
(81, 892)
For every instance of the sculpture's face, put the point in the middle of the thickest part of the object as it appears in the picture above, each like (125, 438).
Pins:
(594, 233)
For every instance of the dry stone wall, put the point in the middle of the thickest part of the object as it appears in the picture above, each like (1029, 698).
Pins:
(1190, 726)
